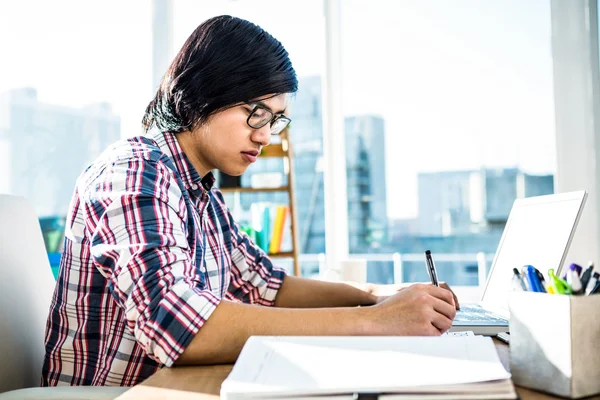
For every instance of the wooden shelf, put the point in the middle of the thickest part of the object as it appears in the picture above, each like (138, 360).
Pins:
(283, 254)
(274, 150)
(254, 190)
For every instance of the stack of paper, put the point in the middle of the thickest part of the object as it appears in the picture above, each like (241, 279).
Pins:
(312, 368)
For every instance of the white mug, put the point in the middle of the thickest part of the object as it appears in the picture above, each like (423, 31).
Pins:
(354, 270)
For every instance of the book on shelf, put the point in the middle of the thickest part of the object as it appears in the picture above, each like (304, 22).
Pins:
(269, 227)
(277, 232)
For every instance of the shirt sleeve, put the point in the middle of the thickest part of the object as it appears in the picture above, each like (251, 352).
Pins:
(138, 221)
(254, 278)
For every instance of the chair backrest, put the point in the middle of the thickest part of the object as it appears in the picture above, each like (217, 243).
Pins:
(26, 287)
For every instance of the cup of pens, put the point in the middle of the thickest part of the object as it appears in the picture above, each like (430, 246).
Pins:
(555, 330)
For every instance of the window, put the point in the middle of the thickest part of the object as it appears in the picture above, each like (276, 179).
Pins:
(76, 76)
(287, 22)
(449, 117)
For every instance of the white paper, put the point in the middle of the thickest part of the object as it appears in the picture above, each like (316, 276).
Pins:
(329, 365)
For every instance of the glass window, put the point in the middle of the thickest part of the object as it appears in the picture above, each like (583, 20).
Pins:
(289, 23)
(76, 76)
(449, 117)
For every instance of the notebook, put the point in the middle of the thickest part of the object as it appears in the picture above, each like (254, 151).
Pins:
(538, 232)
(390, 367)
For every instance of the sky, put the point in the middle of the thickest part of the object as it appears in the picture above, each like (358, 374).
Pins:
(461, 84)
(77, 53)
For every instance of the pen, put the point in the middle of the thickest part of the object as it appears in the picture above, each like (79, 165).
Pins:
(574, 267)
(532, 279)
(558, 285)
(573, 280)
(431, 268)
(517, 281)
(543, 283)
(585, 277)
(592, 283)
(596, 288)
(524, 278)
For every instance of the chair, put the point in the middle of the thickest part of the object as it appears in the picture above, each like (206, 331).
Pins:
(26, 288)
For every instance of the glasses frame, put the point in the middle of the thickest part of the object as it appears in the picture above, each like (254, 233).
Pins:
(274, 118)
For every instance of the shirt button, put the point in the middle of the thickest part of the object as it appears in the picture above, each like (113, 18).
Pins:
(194, 186)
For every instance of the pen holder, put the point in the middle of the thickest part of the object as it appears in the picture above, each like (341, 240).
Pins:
(555, 343)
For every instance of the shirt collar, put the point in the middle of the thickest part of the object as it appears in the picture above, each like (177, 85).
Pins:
(169, 145)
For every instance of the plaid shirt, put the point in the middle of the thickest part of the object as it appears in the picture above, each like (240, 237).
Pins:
(150, 250)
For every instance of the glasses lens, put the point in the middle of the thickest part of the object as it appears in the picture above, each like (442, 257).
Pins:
(259, 118)
(279, 125)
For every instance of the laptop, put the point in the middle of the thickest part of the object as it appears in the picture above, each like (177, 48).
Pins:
(538, 232)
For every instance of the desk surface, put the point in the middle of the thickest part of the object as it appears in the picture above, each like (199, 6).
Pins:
(204, 382)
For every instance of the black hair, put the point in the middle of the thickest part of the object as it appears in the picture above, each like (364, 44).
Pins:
(225, 61)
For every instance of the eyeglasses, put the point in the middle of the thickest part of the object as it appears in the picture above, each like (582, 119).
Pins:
(261, 116)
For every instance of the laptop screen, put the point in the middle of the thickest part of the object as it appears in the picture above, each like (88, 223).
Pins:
(538, 232)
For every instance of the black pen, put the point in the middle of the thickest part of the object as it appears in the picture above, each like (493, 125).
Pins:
(431, 269)
(596, 288)
(592, 283)
(586, 275)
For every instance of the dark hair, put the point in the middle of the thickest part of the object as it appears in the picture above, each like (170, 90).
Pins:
(225, 61)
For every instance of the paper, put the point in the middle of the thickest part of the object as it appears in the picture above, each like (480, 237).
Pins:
(334, 365)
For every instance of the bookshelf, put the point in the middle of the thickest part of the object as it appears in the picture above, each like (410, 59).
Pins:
(281, 150)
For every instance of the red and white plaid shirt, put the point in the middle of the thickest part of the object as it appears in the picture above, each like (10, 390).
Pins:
(150, 250)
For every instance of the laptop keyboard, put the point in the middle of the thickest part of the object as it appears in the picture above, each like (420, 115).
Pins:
(474, 313)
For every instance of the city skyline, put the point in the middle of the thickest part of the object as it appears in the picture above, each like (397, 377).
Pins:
(45, 147)
(459, 211)
(461, 85)
(308, 86)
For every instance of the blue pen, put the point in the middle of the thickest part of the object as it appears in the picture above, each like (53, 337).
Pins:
(533, 281)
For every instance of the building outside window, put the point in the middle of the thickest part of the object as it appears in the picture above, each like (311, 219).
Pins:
(448, 116)
(75, 78)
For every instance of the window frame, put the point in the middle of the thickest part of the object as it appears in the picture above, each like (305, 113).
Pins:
(577, 116)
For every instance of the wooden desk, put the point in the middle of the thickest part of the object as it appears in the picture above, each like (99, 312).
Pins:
(204, 383)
